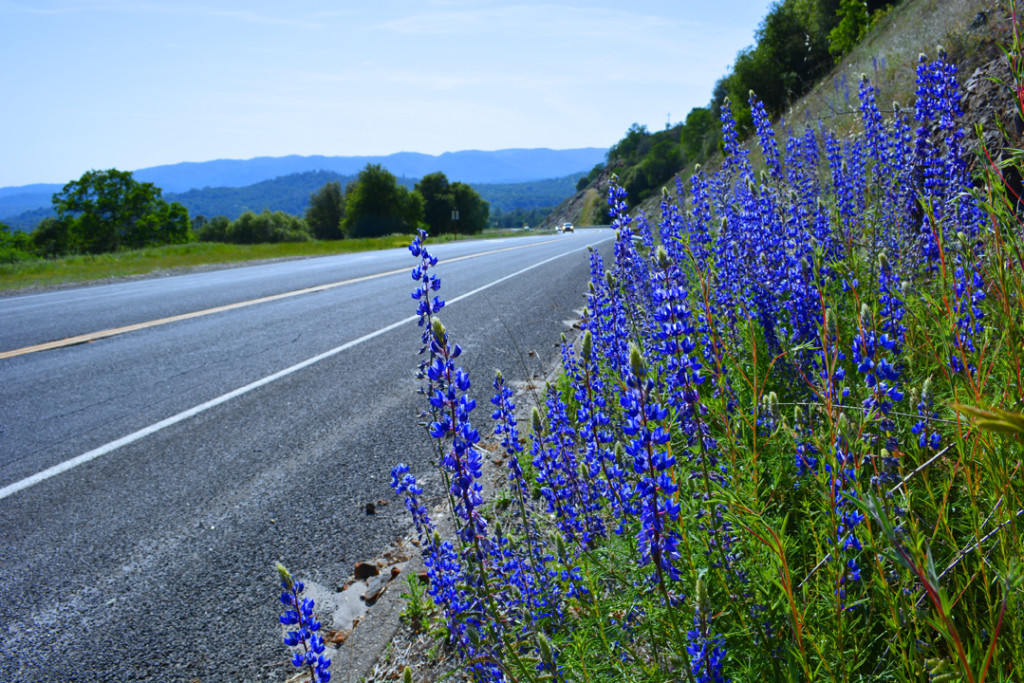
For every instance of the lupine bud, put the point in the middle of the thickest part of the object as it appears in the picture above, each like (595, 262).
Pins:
(703, 601)
(546, 654)
(915, 396)
(620, 452)
(587, 348)
(636, 361)
(285, 575)
(407, 675)
(883, 261)
(661, 254)
(438, 329)
(538, 423)
(664, 193)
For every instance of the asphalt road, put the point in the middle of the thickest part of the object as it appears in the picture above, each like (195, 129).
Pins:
(151, 558)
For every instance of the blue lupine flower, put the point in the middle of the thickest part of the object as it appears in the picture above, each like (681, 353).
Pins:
(300, 616)
(769, 148)
(706, 652)
(927, 436)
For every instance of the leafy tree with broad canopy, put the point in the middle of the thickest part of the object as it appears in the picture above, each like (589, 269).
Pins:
(441, 197)
(474, 212)
(377, 205)
(326, 211)
(108, 210)
(437, 202)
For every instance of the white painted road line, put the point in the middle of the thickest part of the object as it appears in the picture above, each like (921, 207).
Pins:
(103, 334)
(60, 468)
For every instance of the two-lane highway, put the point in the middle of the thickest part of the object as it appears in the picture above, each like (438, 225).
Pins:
(151, 476)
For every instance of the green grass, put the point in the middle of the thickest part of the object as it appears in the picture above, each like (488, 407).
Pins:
(181, 257)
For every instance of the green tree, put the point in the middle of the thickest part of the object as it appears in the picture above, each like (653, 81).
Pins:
(14, 245)
(853, 24)
(699, 136)
(633, 147)
(108, 210)
(590, 177)
(326, 211)
(50, 238)
(791, 54)
(213, 229)
(438, 201)
(377, 205)
(663, 160)
(474, 212)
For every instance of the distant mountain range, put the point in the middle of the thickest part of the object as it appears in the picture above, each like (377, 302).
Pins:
(27, 204)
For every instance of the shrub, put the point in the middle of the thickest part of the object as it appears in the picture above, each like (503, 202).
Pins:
(251, 228)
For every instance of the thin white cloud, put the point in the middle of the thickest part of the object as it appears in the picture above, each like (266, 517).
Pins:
(561, 21)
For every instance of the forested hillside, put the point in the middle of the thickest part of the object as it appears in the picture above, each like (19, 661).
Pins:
(804, 67)
(504, 166)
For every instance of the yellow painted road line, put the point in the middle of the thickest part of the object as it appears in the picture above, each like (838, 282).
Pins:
(103, 334)
(62, 467)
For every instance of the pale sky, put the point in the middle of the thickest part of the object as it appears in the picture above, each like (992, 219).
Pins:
(124, 84)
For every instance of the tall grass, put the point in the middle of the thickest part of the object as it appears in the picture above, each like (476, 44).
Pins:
(787, 445)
